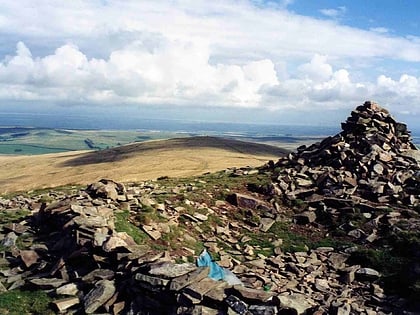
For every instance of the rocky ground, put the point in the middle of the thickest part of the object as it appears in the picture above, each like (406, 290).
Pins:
(330, 229)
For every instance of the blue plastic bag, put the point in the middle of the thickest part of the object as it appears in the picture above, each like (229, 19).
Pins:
(205, 260)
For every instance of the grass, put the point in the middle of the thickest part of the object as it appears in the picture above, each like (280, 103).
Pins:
(397, 260)
(122, 224)
(9, 216)
(131, 163)
(292, 242)
(17, 302)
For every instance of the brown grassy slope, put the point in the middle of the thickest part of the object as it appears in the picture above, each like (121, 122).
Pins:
(135, 162)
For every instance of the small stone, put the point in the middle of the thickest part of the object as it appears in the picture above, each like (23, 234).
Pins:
(29, 257)
(16, 227)
(266, 224)
(305, 217)
(171, 270)
(98, 296)
(262, 309)
(236, 304)
(185, 280)
(322, 285)
(200, 216)
(98, 274)
(67, 289)
(253, 295)
(368, 274)
(9, 240)
(154, 234)
(378, 168)
(297, 302)
(47, 283)
(64, 304)
(153, 282)
(112, 243)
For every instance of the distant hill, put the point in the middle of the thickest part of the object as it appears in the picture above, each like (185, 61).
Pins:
(139, 161)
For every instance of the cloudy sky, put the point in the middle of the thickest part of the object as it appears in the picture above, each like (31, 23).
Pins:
(285, 61)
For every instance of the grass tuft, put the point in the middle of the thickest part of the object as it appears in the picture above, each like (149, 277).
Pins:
(17, 302)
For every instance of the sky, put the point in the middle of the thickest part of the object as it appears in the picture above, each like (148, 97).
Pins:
(285, 61)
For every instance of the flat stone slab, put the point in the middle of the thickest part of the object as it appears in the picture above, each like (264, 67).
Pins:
(200, 288)
(154, 282)
(253, 295)
(98, 296)
(171, 270)
(29, 257)
(47, 283)
(185, 280)
(64, 304)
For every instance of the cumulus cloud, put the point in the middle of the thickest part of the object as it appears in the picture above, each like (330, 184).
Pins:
(209, 53)
(175, 73)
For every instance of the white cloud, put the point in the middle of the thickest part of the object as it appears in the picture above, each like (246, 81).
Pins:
(317, 69)
(235, 30)
(381, 30)
(175, 73)
(221, 53)
(334, 13)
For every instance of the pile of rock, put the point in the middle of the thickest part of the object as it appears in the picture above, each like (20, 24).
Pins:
(79, 254)
(371, 160)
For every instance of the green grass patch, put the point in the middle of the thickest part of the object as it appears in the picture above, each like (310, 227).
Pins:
(122, 224)
(17, 302)
(292, 242)
(13, 215)
(397, 260)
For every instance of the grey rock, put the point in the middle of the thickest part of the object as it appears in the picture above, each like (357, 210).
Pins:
(297, 302)
(252, 295)
(305, 217)
(236, 304)
(47, 283)
(244, 201)
(200, 288)
(9, 240)
(153, 282)
(266, 224)
(367, 274)
(67, 289)
(263, 309)
(185, 280)
(29, 257)
(64, 304)
(98, 296)
(171, 270)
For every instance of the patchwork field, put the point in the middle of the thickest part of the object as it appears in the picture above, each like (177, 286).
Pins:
(30, 141)
(33, 141)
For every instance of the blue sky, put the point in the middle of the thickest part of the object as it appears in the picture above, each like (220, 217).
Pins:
(300, 61)
(397, 17)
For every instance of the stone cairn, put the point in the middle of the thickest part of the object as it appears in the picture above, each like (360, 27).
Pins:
(370, 161)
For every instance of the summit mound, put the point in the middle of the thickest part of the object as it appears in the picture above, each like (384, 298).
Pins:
(180, 157)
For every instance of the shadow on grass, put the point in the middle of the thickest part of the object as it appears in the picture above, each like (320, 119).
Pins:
(127, 151)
